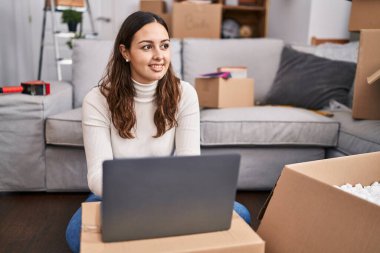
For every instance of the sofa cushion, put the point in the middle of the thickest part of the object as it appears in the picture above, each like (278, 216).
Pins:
(90, 58)
(267, 126)
(260, 56)
(308, 81)
(340, 52)
(65, 129)
(357, 136)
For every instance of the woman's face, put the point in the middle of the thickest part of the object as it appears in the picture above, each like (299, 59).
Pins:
(149, 55)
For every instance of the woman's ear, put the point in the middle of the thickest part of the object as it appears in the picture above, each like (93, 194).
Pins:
(124, 52)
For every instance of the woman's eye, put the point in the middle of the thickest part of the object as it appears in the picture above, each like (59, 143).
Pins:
(165, 46)
(146, 47)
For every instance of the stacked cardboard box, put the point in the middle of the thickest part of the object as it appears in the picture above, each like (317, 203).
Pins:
(188, 19)
(195, 20)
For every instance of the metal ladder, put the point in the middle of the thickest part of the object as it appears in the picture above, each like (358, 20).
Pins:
(59, 61)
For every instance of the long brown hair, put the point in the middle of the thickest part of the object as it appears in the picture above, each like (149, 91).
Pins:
(117, 86)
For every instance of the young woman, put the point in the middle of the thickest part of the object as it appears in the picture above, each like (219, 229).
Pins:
(140, 107)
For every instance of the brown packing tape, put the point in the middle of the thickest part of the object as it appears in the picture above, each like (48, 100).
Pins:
(374, 77)
(91, 228)
(91, 223)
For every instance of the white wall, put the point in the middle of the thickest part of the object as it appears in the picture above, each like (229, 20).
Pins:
(21, 27)
(289, 20)
(18, 45)
(296, 21)
(117, 11)
(329, 19)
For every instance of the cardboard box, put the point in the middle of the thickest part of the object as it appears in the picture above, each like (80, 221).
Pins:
(364, 15)
(221, 93)
(308, 214)
(168, 20)
(157, 7)
(366, 101)
(191, 20)
(240, 238)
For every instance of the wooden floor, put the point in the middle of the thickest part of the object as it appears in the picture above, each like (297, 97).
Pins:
(36, 222)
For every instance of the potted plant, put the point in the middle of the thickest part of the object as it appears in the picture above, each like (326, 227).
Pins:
(72, 18)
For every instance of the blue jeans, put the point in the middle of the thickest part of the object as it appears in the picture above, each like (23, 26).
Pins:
(74, 227)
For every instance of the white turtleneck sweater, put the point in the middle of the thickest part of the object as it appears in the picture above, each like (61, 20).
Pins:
(102, 141)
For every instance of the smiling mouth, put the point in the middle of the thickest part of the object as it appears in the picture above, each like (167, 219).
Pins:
(157, 67)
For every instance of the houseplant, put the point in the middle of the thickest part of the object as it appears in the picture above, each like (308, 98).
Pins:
(72, 18)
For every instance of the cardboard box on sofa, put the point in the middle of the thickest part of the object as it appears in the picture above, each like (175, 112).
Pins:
(306, 213)
(193, 20)
(239, 238)
(366, 101)
(221, 93)
(364, 15)
(157, 7)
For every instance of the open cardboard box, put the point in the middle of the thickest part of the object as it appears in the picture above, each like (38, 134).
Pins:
(366, 102)
(306, 213)
(222, 93)
(239, 238)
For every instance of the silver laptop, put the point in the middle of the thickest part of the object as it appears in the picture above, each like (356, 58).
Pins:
(167, 196)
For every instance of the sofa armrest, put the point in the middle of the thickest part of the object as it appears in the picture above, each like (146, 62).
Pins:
(60, 99)
(22, 149)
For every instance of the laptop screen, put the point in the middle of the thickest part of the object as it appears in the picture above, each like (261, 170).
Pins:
(167, 196)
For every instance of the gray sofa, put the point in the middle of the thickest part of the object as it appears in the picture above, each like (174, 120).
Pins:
(41, 137)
